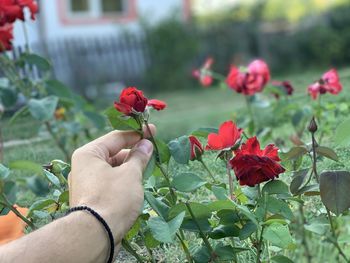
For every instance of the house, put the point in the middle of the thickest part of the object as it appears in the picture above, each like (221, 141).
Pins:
(59, 19)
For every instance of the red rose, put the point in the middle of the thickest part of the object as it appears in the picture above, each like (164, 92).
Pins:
(131, 101)
(251, 81)
(286, 87)
(6, 36)
(203, 74)
(253, 166)
(11, 10)
(228, 136)
(157, 104)
(196, 148)
(328, 83)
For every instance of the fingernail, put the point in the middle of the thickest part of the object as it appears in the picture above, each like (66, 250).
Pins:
(145, 146)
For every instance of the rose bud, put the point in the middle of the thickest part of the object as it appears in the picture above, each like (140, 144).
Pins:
(131, 101)
(312, 125)
(196, 148)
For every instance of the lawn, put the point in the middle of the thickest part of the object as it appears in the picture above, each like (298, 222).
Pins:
(187, 111)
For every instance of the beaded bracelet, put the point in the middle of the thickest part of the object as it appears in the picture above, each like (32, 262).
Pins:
(102, 221)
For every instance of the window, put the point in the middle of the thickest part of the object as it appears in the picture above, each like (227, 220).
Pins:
(112, 6)
(79, 5)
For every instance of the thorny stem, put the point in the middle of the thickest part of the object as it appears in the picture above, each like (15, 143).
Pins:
(251, 113)
(185, 248)
(201, 233)
(303, 234)
(230, 179)
(127, 246)
(208, 170)
(17, 213)
(314, 157)
(260, 241)
(57, 141)
(335, 242)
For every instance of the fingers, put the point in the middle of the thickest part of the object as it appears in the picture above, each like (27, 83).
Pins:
(139, 156)
(113, 142)
(119, 158)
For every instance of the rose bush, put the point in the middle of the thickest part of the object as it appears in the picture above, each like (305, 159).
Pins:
(241, 192)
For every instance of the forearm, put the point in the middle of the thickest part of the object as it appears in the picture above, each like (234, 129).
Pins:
(78, 237)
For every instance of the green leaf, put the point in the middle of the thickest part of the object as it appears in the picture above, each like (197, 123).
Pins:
(133, 230)
(4, 172)
(202, 255)
(150, 168)
(247, 230)
(200, 210)
(165, 231)
(58, 89)
(294, 153)
(36, 60)
(342, 135)
(189, 225)
(275, 187)
(10, 191)
(8, 97)
(150, 241)
(278, 235)
(119, 121)
(204, 132)
(164, 153)
(327, 152)
(334, 190)
(52, 178)
(245, 211)
(223, 231)
(226, 252)
(43, 109)
(97, 119)
(228, 217)
(157, 205)
(309, 190)
(298, 180)
(40, 205)
(26, 166)
(281, 259)
(219, 192)
(187, 182)
(41, 214)
(38, 185)
(180, 149)
(64, 197)
(278, 206)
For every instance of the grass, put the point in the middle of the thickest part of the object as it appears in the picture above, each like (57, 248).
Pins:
(187, 111)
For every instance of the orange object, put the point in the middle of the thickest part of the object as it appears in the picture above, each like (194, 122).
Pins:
(11, 226)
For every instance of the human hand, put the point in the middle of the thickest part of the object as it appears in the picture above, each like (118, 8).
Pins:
(107, 177)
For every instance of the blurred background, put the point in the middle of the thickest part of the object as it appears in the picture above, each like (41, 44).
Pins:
(97, 47)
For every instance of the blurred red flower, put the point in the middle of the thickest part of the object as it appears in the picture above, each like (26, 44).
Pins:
(329, 82)
(253, 166)
(252, 80)
(157, 104)
(11, 10)
(6, 37)
(203, 74)
(196, 148)
(286, 87)
(131, 101)
(227, 137)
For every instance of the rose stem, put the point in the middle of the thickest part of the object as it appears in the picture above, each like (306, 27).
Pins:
(260, 242)
(251, 113)
(185, 248)
(230, 179)
(127, 246)
(207, 169)
(203, 236)
(17, 213)
(303, 233)
(57, 141)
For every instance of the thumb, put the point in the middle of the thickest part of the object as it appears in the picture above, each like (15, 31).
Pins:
(139, 155)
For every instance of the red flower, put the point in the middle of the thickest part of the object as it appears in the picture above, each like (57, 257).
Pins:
(328, 83)
(203, 74)
(11, 10)
(253, 166)
(196, 148)
(286, 87)
(157, 104)
(131, 101)
(251, 81)
(6, 36)
(228, 136)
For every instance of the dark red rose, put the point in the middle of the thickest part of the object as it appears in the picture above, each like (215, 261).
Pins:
(11, 10)
(196, 148)
(131, 101)
(329, 82)
(253, 166)
(203, 74)
(157, 104)
(6, 37)
(227, 137)
(252, 80)
(286, 87)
